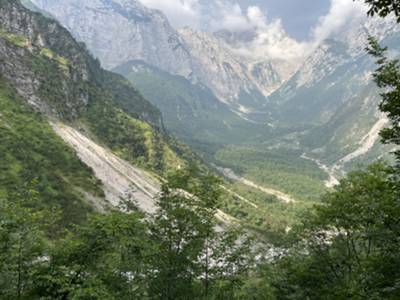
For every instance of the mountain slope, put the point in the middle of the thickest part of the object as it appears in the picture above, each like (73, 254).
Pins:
(191, 111)
(34, 158)
(120, 179)
(147, 36)
(57, 77)
(224, 72)
(146, 33)
(332, 98)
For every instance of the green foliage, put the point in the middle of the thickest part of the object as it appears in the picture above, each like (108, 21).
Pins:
(132, 139)
(383, 8)
(22, 243)
(104, 259)
(387, 77)
(17, 40)
(189, 248)
(348, 247)
(177, 254)
(263, 214)
(31, 152)
(283, 170)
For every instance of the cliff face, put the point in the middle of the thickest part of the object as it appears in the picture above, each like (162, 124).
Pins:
(54, 72)
(118, 31)
(33, 50)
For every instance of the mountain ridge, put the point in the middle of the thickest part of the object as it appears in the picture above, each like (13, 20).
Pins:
(58, 80)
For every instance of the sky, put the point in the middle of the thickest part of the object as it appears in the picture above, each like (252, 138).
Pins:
(298, 16)
(285, 28)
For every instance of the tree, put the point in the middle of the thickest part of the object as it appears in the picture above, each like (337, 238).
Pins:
(387, 77)
(182, 228)
(383, 8)
(103, 259)
(22, 243)
(194, 260)
(348, 248)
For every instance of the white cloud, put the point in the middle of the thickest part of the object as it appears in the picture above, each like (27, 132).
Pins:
(179, 12)
(270, 39)
(228, 16)
(341, 12)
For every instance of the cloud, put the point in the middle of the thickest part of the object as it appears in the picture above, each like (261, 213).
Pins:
(179, 12)
(341, 13)
(225, 15)
(269, 39)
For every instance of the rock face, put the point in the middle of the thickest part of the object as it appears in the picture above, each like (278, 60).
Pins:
(220, 69)
(117, 31)
(58, 77)
(26, 41)
(332, 96)
(328, 99)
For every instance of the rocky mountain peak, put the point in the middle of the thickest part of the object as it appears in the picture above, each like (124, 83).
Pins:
(117, 31)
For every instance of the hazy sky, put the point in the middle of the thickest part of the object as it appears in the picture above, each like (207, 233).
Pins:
(298, 16)
(284, 28)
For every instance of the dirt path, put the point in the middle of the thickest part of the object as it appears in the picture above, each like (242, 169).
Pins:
(239, 197)
(280, 195)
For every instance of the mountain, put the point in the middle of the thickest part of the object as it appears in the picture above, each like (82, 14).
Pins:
(190, 110)
(117, 31)
(147, 36)
(266, 72)
(224, 72)
(81, 136)
(332, 97)
(321, 108)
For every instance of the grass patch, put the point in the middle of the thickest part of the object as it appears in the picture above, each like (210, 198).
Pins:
(17, 40)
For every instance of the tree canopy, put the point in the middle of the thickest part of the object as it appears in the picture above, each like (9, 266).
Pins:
(383, 8)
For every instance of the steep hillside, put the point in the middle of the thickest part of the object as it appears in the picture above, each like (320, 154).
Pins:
(190, 111)
(36, 163)
(148, 36)
(57, 77)
(332, 98)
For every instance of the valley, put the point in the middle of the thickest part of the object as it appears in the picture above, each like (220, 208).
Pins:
(192, 149)
(219, 102)
(228, 173)
(289, 128)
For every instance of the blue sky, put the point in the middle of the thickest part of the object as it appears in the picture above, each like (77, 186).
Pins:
(298, 16)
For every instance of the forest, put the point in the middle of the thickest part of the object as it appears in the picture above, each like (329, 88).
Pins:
(343, 245)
